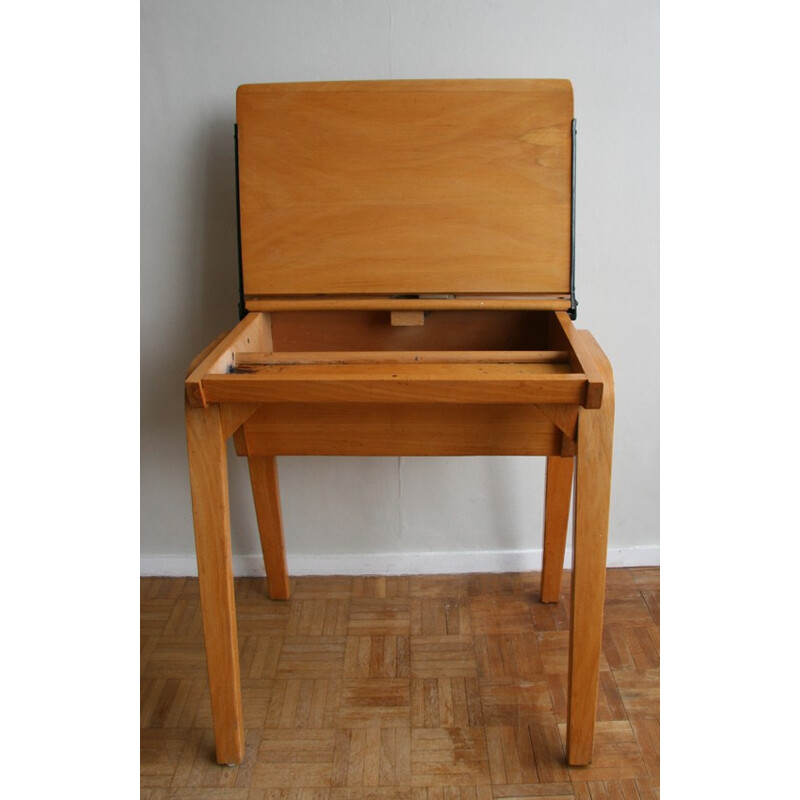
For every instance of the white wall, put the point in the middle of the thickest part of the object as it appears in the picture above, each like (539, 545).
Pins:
(194, 55)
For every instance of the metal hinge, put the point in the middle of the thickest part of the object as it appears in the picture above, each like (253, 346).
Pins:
(242, 309)
(573, 303)
(423, 296)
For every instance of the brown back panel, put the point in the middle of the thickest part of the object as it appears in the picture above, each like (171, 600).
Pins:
(405, 187)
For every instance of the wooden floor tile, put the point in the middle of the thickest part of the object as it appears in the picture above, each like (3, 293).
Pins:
(295, 759)
(153, 589)
(160, 756)
(646, 731)
(377, 657)
(485, 584)
(184, 619)
(646, 578)
(639, 690)
(244, 772)
(262, 617)
(258, 655)
(379, 617)
(551, 616)
(515, 702)
(205, 793)
(374, 702)
(443, 656)
(326, 587)
(616, 754)
(551, 791)
(548, 749)
(511, 759)
(317, 616)
(553, 650)
(301, 703)
(311, 657)
(648, 788)
(371, 793)
(449, 757)
(446, 703)
(381, 586)
(508, 655)
(372, 757)
(449, 687)
(610, 790)
(499, 613)
(621, 583)
(178, 657)
(440, 616)
(631, 647)
(609, 701)
(421, 586)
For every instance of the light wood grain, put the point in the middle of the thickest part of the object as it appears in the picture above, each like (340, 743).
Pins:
(249, 362)
(565, 417)
(252, 333)
(203, 354)
(407, 318)
(209, 482)
(534, 301)
(558, 489)
(563, 331)
(592, 497)
(266, 495)
(418, 383)
(232, 416)
(399, 429)
(449, 757)
(405, 187)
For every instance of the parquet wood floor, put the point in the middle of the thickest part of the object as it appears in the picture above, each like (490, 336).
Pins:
(401, 688)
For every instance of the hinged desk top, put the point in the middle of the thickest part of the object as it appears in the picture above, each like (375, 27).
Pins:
(386, 188)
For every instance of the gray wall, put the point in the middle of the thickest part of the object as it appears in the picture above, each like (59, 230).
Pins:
(194, 55)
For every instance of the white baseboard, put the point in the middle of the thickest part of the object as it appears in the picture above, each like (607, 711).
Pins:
(398, 563)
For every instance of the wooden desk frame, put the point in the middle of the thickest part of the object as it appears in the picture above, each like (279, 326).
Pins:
(407, 254)
(556, 400)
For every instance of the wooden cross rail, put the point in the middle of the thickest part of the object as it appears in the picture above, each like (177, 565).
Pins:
(247, 362)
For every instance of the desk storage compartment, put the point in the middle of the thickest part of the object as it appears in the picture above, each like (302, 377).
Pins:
(464, 382)
(441, 331)
(359, 356)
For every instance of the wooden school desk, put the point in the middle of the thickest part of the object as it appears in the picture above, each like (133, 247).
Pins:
(407, 288)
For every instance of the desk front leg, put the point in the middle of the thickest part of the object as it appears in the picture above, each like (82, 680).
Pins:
(208, 472)
(590, 545)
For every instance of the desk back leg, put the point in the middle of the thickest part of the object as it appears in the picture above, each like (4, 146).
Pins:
(208, 472)
(266, 495)
(558, 493)
(590, 546)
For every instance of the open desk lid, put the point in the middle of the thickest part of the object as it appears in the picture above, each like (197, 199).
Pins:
(387, 188)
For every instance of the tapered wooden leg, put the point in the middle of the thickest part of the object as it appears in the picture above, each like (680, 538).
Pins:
(558, 491)
(592, 494)
(264, 479)
(208, 473)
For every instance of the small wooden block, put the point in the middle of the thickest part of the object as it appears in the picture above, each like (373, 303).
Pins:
(408, 318)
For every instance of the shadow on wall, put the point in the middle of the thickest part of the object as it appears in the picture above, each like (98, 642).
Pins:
(203, 273)
(213, 247)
